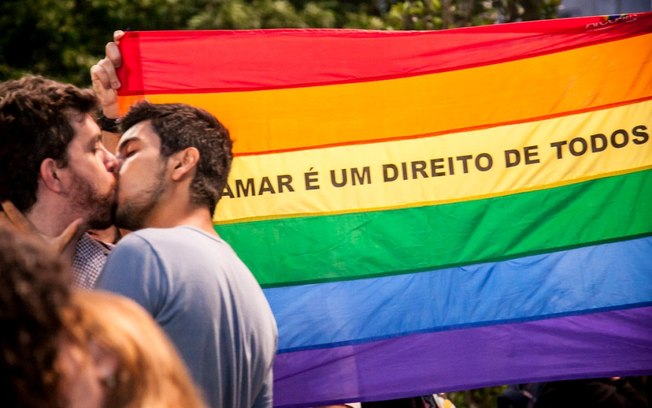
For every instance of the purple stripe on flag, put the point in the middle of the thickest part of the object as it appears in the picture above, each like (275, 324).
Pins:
(584, 346)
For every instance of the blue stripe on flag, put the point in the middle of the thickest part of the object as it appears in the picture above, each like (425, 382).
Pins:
(602, 277)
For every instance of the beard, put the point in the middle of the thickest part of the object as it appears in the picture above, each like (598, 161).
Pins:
(134, 213)
(98, 208)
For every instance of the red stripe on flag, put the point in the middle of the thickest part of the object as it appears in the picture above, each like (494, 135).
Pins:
(228, 61)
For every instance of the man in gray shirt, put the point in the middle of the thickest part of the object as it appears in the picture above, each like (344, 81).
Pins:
(173, 163)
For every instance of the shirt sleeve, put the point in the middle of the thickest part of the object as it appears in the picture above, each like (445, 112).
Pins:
(134, 270)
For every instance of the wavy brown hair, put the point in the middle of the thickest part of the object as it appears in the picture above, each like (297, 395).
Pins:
(35, 125)
(150, 373)
(34, 287)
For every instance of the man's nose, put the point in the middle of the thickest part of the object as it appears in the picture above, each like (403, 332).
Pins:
(110, 161)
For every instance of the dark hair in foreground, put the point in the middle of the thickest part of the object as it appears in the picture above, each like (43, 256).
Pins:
(35, 114)
(34, 286)
(181, 126)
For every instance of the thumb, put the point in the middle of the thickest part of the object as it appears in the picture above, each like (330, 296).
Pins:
(69, 235)
(17, 218)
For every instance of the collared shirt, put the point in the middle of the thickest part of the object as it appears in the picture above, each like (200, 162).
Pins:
(88, 261)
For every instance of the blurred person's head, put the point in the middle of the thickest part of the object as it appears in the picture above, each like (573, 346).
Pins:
(34, 287)
(51, 152)
(169, 153)
(115, 355)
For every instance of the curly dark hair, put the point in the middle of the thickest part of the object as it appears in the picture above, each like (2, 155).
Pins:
(180, 126)
(35, 125)
(34, 287)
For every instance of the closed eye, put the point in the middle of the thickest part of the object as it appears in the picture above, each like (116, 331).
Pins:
(126, 155)
(95, 144)
(128, 148)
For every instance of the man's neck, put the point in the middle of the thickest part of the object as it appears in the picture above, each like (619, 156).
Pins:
(50, 221)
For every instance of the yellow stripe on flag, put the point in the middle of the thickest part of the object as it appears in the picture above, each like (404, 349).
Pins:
(439, 169)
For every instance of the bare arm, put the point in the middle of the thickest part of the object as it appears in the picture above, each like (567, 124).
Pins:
(106, 84)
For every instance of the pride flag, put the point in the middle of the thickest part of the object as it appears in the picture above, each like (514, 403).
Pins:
(437, 210)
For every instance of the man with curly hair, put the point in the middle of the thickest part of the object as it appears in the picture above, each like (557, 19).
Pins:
(34, 288)
(54, 167)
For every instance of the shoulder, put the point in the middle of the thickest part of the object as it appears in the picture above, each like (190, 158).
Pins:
(166, 246)
(146, 239)
(136, 269)
(138, 247)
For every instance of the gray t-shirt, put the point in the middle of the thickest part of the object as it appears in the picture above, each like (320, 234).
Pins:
(208, 303)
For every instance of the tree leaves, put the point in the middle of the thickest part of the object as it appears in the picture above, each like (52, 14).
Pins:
(63, 38)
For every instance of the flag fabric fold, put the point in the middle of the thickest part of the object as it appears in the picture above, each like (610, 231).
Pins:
(431, 211)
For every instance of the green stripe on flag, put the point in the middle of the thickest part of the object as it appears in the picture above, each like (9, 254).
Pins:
(348, 246)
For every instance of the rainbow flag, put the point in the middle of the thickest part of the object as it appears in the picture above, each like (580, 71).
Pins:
(436, 210)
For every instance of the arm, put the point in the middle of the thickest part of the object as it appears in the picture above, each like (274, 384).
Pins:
(105, 79)
(106, 84)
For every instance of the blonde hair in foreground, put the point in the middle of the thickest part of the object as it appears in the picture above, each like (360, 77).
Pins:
(149, 373)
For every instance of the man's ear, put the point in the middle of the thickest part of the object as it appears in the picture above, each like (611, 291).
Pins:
(50, 173)
(184, 162)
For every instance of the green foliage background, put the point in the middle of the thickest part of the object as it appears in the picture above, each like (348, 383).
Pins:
(61, 39)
